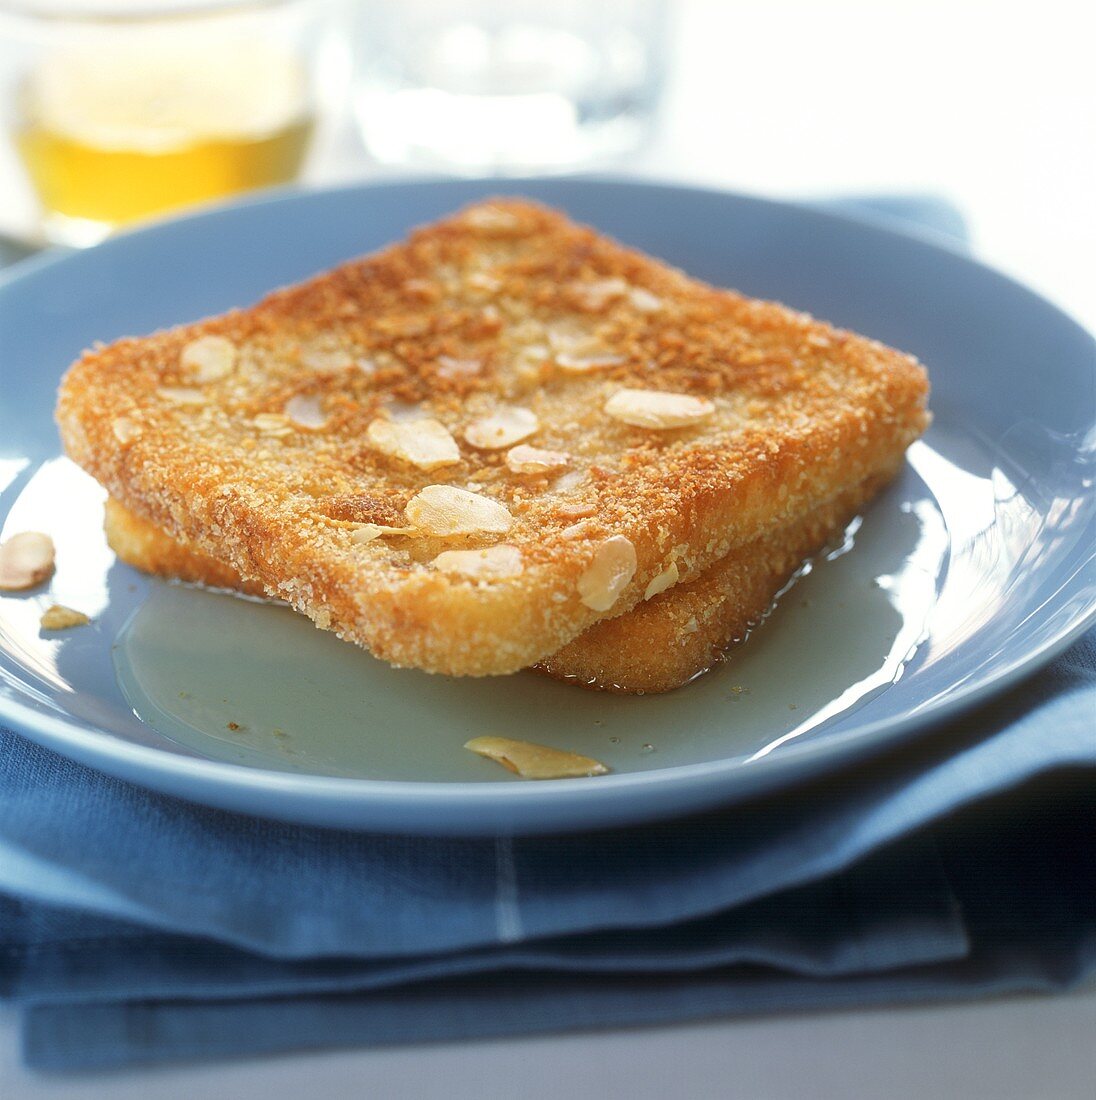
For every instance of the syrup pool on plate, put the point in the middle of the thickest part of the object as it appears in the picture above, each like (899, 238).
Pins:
(254, 683)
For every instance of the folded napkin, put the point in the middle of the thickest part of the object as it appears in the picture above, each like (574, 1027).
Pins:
(136, 928)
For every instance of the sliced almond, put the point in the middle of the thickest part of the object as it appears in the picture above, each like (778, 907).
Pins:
(451, 368)
(370, 531)
(490, 218)
(272, 424)
(503, 429)
(584, 364)
(182, 395)
(644, 300)
(657, 410)
(447, 510)
(404, 411)
(491, 563)
(532, 761)
(569, 480)
(209, 358)
(425, 444)
(58, 617)
(306, 411)
(608, 574)
(26, 559)
(581, 530)
(661, 581)
(524, 459)
(576, 511)
(530, 357)
(326, 359)
(125, 429)
(481, 280)
(579, 352)
(599, 293)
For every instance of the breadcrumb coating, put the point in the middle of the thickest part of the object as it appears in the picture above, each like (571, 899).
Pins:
(504, 305)
(688, 629)
(676, 634)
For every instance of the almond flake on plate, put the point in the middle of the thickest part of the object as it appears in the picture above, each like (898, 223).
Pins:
(26, 559)
(58, 617)
(532, 761)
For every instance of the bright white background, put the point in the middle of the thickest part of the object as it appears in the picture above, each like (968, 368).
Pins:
(994, 106)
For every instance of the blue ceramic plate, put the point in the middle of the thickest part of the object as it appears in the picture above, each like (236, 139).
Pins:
(967, 574)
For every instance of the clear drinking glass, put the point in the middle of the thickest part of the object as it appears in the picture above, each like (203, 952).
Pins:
(118, 110)
(507, 86)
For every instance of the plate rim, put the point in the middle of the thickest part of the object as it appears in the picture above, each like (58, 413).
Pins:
(505, 804)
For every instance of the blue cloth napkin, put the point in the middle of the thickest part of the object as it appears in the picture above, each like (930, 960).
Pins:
(137, 928)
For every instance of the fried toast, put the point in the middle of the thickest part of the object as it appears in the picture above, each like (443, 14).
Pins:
(664, 642)
(672, 638)
(464, 451)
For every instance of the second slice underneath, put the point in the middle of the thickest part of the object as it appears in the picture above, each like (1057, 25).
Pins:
(672, 427)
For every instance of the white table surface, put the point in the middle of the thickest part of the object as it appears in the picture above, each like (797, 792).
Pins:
(1014, 1048)
(993, 105)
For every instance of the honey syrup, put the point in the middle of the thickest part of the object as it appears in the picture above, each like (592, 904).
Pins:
(117, 136)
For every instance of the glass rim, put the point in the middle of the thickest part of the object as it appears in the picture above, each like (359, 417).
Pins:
(129, 11)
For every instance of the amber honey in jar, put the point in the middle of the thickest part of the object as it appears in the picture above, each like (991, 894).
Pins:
(119, 121)
(115, 138)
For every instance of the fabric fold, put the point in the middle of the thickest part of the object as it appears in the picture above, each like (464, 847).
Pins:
(108, 839)
(136, 928)
(1018, 917)
(894, 910)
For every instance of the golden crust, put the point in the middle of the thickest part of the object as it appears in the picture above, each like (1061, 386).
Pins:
(466, 315)
(144, 546)
(675, 636)
(660, 645)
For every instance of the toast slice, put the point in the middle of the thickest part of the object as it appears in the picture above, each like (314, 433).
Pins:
(146, 547)
(685, 631)
(663, 643)
(465, 450)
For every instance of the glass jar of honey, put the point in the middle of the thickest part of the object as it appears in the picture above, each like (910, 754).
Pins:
(120, 110)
